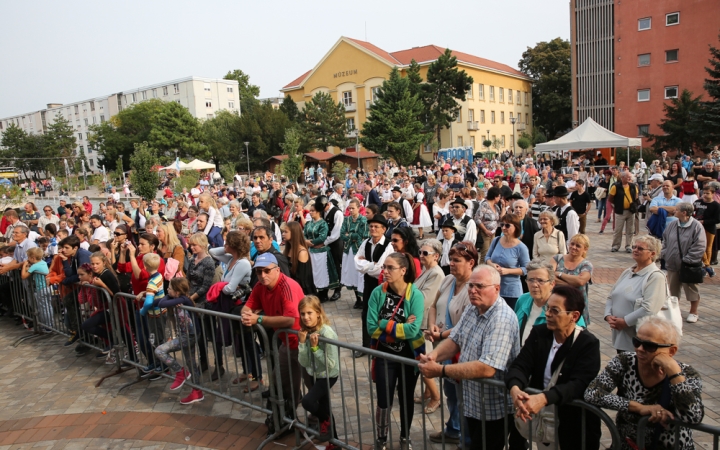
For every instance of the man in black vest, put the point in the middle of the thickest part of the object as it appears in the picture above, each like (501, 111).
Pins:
(369, 261)
(465, 226)
(406, 210)
(334, 218)
(623, 196)
(569, 220)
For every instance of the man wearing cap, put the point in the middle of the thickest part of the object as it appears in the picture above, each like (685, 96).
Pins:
(369, 260)
(273, 304)
(405, 208)
(655, 188)
(569, 220)
(465, 227)
(334, 218)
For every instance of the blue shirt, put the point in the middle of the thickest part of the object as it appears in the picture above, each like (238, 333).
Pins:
(660, 200)
(511, 258)
(253, 251)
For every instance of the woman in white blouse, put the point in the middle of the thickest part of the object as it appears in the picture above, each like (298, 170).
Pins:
(549, 241)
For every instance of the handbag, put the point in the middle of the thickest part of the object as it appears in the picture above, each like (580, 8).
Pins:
(542, 425)
(374, 347)
(689, 273)
(670, 310)
(600, 193)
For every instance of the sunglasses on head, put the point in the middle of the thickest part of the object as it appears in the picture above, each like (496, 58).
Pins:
(648, 346)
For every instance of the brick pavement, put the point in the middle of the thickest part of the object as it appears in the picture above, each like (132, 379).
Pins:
(42, 378)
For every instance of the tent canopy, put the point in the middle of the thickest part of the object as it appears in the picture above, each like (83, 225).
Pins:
(173, 166)
(5, 181)
(199, 165)
(587, 136)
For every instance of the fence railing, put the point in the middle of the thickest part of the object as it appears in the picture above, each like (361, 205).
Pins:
(224, 358)
(676, 425)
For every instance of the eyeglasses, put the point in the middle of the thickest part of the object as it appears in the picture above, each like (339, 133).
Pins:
(637, 247)
(506, 225)
(648, 346)
(478, 286)
(389, 268)
(265, 270)
(119, 234)
(426, 253)
(555, 311)
(537, 281)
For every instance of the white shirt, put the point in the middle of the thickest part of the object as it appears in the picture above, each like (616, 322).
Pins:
(573, 222)
(532, 317)
(548, 370)
(115, 196)
(371, 268)
(100, 234)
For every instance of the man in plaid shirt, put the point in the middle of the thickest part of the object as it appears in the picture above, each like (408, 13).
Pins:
(488, 340)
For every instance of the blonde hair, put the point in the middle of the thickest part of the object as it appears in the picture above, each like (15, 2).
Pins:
(209, 199)
(35, 253)
(106, 262)
(199, 239)
(312, 302)
(170, 236)
(583, 240)
(151, 261)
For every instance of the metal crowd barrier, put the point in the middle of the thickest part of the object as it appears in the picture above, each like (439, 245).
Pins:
(644, 423)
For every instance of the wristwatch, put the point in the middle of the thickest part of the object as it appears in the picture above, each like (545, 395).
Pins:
(260, 317)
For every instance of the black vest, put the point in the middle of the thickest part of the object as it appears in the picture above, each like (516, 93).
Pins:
(619, 199)
(562, 226)
(330, 219)
(379, 250)
(465, 220)
(402, 207)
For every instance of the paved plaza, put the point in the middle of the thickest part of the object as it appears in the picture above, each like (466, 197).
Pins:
(49, 400)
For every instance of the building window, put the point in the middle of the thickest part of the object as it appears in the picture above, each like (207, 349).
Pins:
(154, 93)
(517, 97)
(644, 24)
(643, 130)
(229, 89)
(165, 90)
(494, 138)
(482, 116)
(102, 118)
(511, 116)
(481, 91)
(206, 86)
(671, 92)
(231, 104)
(94, 120)
(374, 93)
(86, 121)
(208, 104)
(510, 96)
(644, 95)
(80, 136)
(672, 19)
(144, 95)
(472, 141)
(347, 98)
(671, 55)
(134, 98)
(459, 141)
(350, 124)
(492, 116)
(470, 92)
(527, 119)
(492, 93)
(502, 116)
(89, 149)
(471, 115)
(91, 162)
(502, 140)
(527, 98)
(459, 116)
(77, 109)
(92, 106)
(501, 91)
(644, 59)
(176, 88)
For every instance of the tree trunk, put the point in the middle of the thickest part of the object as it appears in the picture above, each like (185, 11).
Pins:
(439, 129)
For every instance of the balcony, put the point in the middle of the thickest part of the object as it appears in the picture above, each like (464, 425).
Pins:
(350, 107)
(472, 126)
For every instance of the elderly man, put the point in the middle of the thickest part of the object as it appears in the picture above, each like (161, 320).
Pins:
(684, 243)
(539, 204)
(667, 202)
(528, 226)
(337, 196)
(488, 340)
(19, 236)
(655, 188)
(12, 216)
(707, 174)
(623, 195)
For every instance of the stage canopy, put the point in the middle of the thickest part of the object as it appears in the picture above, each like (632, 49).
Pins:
(588, 135)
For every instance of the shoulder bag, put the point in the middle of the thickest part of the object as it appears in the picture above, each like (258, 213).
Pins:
(542, 425)
(689, 273)
(600, 193)
(670, 309)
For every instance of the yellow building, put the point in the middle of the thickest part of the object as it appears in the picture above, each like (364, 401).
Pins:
(353, 70)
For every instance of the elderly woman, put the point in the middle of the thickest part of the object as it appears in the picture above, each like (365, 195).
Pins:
(572, 355)
(429, 282)
(509, 256)
(549, 241)
(650, 382)
(573, 269)
(530, 307)
(640, 291)
(443, 315)
(235, 214)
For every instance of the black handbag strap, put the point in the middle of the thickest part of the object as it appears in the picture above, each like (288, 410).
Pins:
(677, 230)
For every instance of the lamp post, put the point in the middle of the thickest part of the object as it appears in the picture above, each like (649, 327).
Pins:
(356, 132)
(247, 150)
(512, 121)
(488, 139)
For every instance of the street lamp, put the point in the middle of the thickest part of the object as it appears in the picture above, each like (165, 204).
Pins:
(247, 150)
(356, 132)
(512, 121)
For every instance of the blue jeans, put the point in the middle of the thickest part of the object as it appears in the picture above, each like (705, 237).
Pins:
(452, 426)
(600, 205)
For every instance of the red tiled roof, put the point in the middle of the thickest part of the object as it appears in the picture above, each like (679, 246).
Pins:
(298, 80)
(433, 52)
(320, 156)
(377, 50)
(277, 157)
(363, 155)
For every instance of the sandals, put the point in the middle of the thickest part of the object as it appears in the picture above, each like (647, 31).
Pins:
(420, 400)
(432, 407)
(254, 385)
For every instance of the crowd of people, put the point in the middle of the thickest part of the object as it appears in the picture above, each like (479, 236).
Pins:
(476, 270)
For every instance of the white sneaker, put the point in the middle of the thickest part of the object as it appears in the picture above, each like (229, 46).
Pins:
(691, 318)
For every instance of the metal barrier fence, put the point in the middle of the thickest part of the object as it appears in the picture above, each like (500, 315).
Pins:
(644, 423)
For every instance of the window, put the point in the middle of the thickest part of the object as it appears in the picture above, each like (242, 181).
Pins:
(644, 59)
(644, 95)
(472, 141)
(494, 138)
(671, 55)
(527, 119)
(92, 106)
(502, 140)
(206, 87)
(644, 24)
(231, 105)
(510, 96)
(470, 92)
(144, 95)
(483, 138)
(492, 93)
(512, 142)
(347, 98)
(80, 136)
(77, 109)
(671, 92)
(86, 121)
(133, 98)
(176, 88)
(482, 116)
(643, 130)
(511, 116)
(374, 93)
(459, 116)
(459, 141)
(492, 116)
(89, 149)
(501, 91)
(527, 98)
(229, 89)
(471, 115)
(672, 19)
(92, 163)
(154, 93)
(481, 91)
(165, 90)
(208, 104)
(351, 124)
(502, 116)
(517, 97)
(102, 118)
(94, 120)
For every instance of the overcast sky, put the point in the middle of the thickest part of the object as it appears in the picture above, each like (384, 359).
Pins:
(72, 50)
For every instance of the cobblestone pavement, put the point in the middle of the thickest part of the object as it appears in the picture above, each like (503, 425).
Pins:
(41, 379)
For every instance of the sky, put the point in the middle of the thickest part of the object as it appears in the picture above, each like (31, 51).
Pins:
(72, 50)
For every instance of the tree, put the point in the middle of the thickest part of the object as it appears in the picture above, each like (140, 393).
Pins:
(174, 128)
(248, 92)
(323, 123)
(548, 65)
(393, 129)
(58, 142)
(144, 180)
(14, 141)
(496, 144)
(487, 143)
(680, 131)
(709, 118)
(289, 107)
(445, 86)
(524, 143)
(220, 136)
(292, 166)
(339, 170)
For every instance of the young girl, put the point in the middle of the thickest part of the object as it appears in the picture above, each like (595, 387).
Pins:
(91, 304)
(184, 340)
(320, 373)
(690, 188)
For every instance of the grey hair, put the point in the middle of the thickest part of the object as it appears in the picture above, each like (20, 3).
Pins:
(494, 274)
(521, 202)
(668, 330)
(433, 244)
(685, 207)
(714, 185)
(235, 203)
(652, 242)
(550, 215)
(260, 214)
(23, 229)
(542, 264)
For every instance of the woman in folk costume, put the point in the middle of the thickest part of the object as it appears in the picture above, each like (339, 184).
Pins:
(421, 216)
(353, 232)
(323, 267)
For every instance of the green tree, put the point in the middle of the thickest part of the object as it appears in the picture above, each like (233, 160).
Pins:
(339, 170)
(323, 123)
(524, 143)
(393, 129)
(220, 135)
(548, 65)
(487, 143)
(680, 131)
(144, 180)
(292, 166)
(496, 144)
(445, 86)
(59, 142)
(248, 92)
(289, 107)
(173, 127)
(709, 117)
(14, 145)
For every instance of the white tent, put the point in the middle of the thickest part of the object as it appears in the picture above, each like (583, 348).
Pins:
(199, 165)
(174, 166)
(588, 135)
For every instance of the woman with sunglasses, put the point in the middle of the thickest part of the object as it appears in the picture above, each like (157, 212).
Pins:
(650, 382)
(509, 256)
(640, 291)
